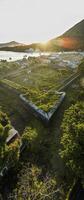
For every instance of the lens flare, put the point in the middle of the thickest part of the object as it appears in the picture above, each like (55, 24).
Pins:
(67, 42)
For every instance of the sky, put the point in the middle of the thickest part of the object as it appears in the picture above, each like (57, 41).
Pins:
(30, 21)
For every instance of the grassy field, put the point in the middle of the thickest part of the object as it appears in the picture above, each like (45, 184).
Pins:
(41, 77)
(38, 82)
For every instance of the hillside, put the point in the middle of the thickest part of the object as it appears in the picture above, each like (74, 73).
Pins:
(76, 31)
(73, 39)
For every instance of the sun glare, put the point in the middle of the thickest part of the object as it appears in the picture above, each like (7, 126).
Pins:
(44, 42)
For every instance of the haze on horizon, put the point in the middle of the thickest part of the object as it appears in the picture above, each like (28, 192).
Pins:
(30, 21)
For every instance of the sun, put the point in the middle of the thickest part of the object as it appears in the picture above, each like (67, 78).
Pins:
(44, 43)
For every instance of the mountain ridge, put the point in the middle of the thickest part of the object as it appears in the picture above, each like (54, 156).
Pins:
(72, 39)
(10, 44)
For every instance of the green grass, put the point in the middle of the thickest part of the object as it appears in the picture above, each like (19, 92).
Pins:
(46, 101)
(39, 83)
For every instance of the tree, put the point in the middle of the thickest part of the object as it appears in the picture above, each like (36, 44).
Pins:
(9, 154)
(29, 137)
(4, 120)
(32, 185)
(72, 141)
(12, 153)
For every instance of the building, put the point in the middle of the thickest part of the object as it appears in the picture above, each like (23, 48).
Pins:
(13, 135)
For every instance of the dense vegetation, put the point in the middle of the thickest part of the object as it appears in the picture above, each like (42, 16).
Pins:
(9, 154)
(73, 139)
(34, 185)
